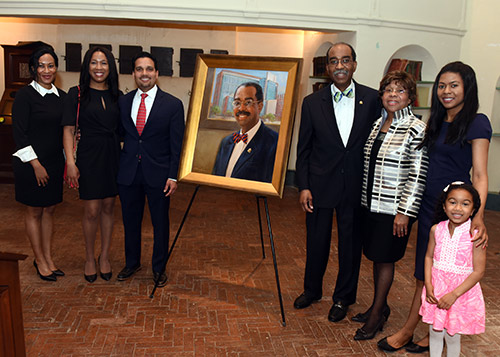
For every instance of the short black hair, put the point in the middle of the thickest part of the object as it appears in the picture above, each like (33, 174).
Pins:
(353, 53)
(35, 56)
(144, 54)
(258, 89)
(405, 80)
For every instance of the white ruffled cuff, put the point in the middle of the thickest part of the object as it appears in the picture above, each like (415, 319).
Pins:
(26, 154)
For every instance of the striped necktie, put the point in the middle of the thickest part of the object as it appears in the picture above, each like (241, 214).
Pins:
(237, 137)
(338, 95)
(141, 115)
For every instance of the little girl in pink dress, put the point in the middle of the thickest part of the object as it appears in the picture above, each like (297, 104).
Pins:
(452, 300)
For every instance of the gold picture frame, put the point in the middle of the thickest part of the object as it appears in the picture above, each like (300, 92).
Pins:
(206, 124)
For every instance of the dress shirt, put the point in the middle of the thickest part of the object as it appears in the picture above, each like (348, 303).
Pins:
(148, 101)
(27, 153)
(344, 112)
(240, 147)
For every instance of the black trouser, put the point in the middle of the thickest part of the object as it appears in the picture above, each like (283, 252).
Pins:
(319, 234)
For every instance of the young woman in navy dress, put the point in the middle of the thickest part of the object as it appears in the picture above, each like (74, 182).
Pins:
(457, 140)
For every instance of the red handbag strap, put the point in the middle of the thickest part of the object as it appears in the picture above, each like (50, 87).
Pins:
(78, 108)
(77, 117)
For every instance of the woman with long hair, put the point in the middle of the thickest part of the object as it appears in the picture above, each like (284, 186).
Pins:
(93, 107)
(457, 139)
(38, 161)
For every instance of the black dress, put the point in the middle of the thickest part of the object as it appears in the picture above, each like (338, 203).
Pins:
(99, 148)
(36, 121)
(380, 245)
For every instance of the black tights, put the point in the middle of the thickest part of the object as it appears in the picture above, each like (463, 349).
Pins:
(383, 275)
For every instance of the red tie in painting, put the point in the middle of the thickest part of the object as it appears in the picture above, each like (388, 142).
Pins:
(141, 115)
(237, 137)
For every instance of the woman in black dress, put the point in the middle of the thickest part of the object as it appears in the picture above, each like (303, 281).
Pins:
(95, 101)
(38, 161)
(393, 185)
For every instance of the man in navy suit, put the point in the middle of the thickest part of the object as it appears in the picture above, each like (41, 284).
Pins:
(248, 154)
(334, 126)
(152, 123)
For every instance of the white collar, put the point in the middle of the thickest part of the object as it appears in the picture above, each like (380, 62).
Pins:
(335, 89)
(251, 133)
(151, 93)
(42, 90)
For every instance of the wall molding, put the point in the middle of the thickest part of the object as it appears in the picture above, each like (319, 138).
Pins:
(110, 9)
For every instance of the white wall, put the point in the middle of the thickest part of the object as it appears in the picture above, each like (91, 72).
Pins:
(481, 50)
(377, 29)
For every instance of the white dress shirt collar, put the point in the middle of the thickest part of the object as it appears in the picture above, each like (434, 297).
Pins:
(251, 133)
(151, 93)
(344, 112)
(42, 90)
(240, 147)
(335, 89)
(148, 102)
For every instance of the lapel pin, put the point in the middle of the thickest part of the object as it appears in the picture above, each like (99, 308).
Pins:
(249, 150)
(361, 102)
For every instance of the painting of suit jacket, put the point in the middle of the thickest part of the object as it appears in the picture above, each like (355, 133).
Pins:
(239, 122)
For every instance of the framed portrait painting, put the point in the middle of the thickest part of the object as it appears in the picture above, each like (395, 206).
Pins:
(234, 98)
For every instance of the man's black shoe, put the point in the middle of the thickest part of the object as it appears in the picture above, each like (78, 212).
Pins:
(161, 278)
(127, 273)
(304, 301)
(337, 312)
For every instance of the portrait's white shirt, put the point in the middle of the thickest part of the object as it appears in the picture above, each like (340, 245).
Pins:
(148, 101)
(27, 153)
(344, 112)
(240, 147)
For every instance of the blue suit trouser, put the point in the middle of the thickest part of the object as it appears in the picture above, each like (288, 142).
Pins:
(132, 199)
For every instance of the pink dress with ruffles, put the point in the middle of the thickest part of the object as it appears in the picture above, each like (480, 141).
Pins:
(452, 265)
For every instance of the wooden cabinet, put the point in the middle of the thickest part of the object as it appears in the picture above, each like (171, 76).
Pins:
(11, 313)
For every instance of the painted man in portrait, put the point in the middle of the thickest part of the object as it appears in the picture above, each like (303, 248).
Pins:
(248, 153)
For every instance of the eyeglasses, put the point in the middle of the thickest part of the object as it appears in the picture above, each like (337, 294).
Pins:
(395, 90)
(246, 103)
(335, 61)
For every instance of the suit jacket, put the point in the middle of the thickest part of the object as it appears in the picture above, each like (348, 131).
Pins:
(158, 148)
(256, 161)
(324, 165)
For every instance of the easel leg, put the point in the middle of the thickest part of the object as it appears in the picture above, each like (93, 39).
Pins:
(260, 227)
(175, 239)
(283, 322)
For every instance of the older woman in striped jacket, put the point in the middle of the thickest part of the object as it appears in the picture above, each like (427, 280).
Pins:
(393, 185)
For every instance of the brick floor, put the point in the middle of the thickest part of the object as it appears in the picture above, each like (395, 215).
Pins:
(221, 299)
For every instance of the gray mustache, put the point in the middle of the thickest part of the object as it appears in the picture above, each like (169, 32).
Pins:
(341, 71)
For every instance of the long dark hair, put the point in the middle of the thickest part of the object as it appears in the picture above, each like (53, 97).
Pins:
(458, 128)
(35, 57)
(440, 215)
(111, 81)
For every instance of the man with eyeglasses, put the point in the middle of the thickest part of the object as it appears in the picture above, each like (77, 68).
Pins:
(335, 124)
(248, 153)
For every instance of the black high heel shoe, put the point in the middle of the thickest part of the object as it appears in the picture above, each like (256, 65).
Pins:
(361, 334)
(51, 277)
(363, 316)
(90, 278)
(58, 272)
(104, 276)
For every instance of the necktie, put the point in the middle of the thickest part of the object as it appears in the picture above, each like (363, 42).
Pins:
(141, 115)
(237, 137)
(338, 96)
